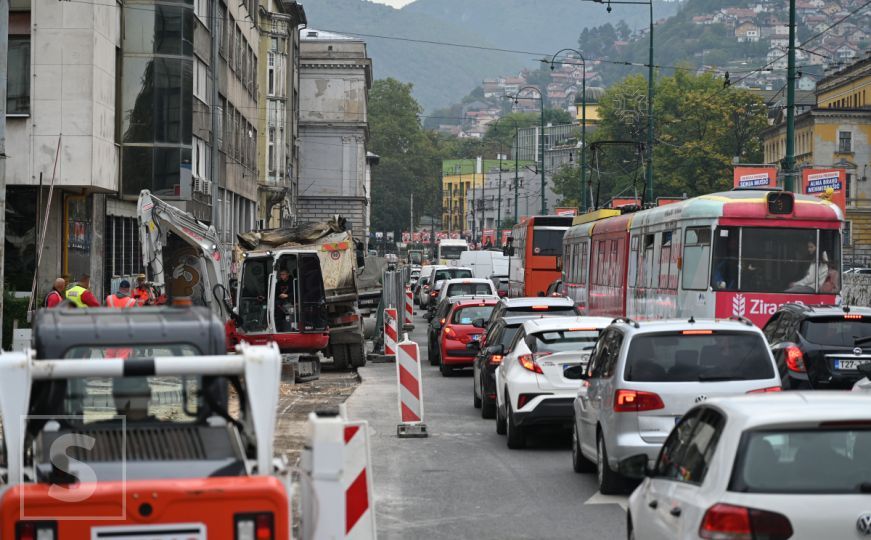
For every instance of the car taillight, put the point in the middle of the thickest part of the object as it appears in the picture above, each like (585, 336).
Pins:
(795, 359)
(636, 401)
(528, 361)
(765, 390)
(728, 522)
(36, 530)
(259, 526)
(433, 294)
(496, 359)
(450, 332)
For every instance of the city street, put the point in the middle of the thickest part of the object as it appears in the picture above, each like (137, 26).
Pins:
(462, 481)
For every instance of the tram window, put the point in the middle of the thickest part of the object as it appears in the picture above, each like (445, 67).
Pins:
(582, 273)
(665, 260)
(790, 260)
(646, 277)
(600, 262)
(696, 256)
(724, 274)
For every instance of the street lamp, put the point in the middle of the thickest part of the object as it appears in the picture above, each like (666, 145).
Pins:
(501, 152)
(517, 97)
(583, 121)
(649, 86)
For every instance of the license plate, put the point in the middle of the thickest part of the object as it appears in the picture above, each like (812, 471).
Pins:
(476, 337)
(850, 364)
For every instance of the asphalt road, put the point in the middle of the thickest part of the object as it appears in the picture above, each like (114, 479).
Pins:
(462, 481)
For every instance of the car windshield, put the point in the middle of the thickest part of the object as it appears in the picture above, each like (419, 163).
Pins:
(468, 314)
(457, 289)
(704, 356)
(554, 341)
(838, 331)
(790, 461)
(547, 242)
(452, 253)
(452, 273)
(138, 399)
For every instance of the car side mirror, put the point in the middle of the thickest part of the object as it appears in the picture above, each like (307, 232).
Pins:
(496, 349)
(576, 373)
(634, 467)
(478, 323)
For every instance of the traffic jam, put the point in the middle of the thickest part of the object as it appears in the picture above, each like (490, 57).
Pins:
(692, 364)
(697, 355)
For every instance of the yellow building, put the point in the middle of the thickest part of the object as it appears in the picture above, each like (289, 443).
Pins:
(594, 94)
(837, 133)
(455, 203)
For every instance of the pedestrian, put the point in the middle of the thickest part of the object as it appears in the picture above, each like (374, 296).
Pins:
(57, 294)
(80, 295)
(122, 298)
(142, 293)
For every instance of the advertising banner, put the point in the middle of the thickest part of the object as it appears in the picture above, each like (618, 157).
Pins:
(816, 182)
(755, 177)
(566, 211)
(759, 307)
(505, 234)
(488, 237)
(662, 201)
(625, 201)
(406, 237)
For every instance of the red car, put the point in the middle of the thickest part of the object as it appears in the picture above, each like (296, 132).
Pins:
(459, 331)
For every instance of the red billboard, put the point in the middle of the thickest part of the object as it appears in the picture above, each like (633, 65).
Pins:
(662, 201)
(625, 201)
(505, 234)
(755, 177)
(488, 237)
(817, 182)
(566, 211)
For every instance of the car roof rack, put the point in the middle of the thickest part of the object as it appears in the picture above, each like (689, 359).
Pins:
(741, 319)
(626, 320)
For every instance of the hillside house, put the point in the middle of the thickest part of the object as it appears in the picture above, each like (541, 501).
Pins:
(747, 32)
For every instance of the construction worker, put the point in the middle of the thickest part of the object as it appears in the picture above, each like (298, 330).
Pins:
(57, 294)
(122, 298)
(79, 294)
(142, 293)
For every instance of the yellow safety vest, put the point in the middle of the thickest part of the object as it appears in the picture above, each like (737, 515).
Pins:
(74, 295)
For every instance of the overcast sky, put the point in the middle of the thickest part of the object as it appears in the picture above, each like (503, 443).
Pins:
(394, 3)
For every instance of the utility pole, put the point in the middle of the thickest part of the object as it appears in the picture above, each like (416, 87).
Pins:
(650, 110)
(474, 198)
(516, 176)
(4, 49)
(499, 192)
(215, 164)
(411, 221)
(789, 162)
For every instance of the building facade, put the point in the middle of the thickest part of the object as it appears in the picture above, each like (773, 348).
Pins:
(278, 129)
(335, 78)
(110, 99)
(837, 133)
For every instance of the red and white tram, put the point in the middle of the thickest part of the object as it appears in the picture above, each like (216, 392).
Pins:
(737, 253)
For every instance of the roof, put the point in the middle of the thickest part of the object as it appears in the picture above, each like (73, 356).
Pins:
(800, 408)
(527, 301)
(828, 311)
(465, 300)
(665, 325)
(542, 324)
(456, 281)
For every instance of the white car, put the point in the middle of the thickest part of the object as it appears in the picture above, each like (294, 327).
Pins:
(425, 280)
(465, 287)
(540, 373)
(784, 465)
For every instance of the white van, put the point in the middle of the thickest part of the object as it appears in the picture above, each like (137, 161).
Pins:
(450, 251)
(485, 263)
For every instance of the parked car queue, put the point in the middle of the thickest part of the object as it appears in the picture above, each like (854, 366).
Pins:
(654, 401)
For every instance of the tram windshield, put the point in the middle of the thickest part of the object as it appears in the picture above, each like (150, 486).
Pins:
(776, 260)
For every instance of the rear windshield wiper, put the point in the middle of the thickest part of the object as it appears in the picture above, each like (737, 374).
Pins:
(861, 340)
(706, 378)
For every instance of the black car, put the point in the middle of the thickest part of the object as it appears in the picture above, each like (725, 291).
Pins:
(820, 347)
(495, 346)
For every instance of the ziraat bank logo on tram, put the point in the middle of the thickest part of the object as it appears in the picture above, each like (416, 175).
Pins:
(757, 306)
(760, 307)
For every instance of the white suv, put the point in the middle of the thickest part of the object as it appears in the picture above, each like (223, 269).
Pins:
(541, 372)
(643, 377)
(466, 287)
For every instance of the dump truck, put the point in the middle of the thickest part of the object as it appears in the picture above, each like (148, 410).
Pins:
(340, 258)
(137, 424)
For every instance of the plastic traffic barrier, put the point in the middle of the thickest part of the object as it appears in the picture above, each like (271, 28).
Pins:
(391, 331)
(408, 322)
(410, 390)
(337, 497)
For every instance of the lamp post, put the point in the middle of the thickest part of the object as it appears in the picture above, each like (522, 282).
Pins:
(649, 172)
(499, 195)
(583, 200)
(543, 182)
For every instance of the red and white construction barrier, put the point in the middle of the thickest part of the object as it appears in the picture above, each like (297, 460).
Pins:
(337, 500)
(391, 331)
(410, 390)
(408, 323)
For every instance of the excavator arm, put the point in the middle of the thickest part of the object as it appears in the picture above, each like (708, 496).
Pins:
(184, 255)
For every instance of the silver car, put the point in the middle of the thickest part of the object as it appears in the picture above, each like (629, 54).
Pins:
(642, 377)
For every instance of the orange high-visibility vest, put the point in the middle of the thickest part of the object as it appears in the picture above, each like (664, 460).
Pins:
(115, 301)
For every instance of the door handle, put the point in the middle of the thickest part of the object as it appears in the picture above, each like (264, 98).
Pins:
(653, 504)
(675, 511)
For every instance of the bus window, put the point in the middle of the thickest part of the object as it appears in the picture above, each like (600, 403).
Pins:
(724, 274)
(696, 256)
(665, 260)
(547, 242)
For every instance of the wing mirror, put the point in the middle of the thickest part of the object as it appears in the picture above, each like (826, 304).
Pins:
(479, 323)
(576, 373)
(496, 349)
(634, 467)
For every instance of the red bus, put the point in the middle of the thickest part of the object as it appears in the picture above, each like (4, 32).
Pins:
(535, 249)
(738, 253)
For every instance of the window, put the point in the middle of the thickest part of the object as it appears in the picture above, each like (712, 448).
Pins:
(467, 315)
(556, 341)
(696, 258)
(687, 452)
(665, 261)
(225, 30)
(123, 250)
(270, 153)
(270, 74)
(845, 141)
(201, 158)
(201, 10)
(600, 263)
(18, 71)
(231, 42)
(645, 277)
(202, 82)
(835, 331)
